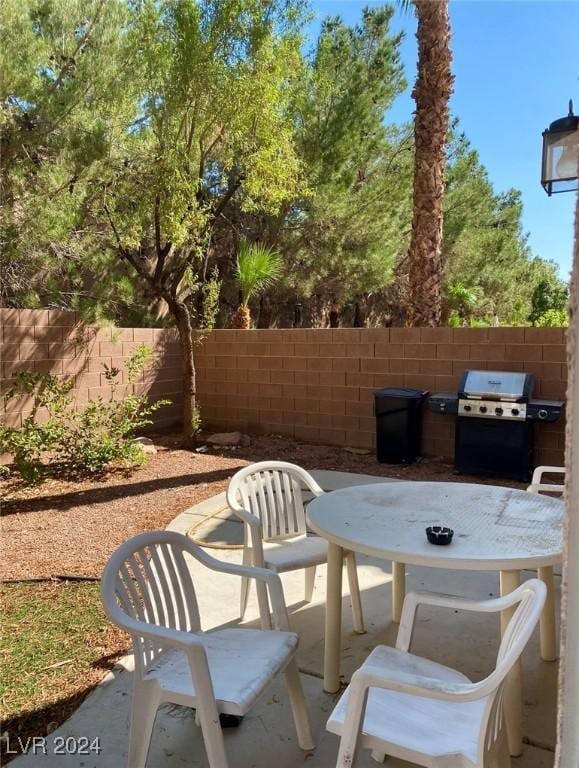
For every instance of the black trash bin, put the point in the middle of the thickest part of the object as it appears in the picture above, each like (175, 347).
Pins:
(398, 424)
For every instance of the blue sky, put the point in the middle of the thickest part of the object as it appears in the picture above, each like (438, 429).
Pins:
(516, 65)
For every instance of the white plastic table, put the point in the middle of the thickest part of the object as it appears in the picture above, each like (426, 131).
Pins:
(495, 529)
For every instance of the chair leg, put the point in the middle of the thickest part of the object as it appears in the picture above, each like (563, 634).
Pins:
(358, 618)
(298, 705)
(245, 582)
(498, 756)
(503, 756)
(310, 578)
(210, 727)
(548, 626)
(263, 603)
(143, 714)
(214, 745)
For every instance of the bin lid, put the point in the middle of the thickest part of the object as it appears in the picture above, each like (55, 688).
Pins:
(402, 393)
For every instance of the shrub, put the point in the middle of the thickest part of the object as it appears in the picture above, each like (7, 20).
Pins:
(85, 441)
(29, 443)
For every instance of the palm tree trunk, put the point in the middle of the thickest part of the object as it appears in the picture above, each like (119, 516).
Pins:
(242, 318)
(431, 94)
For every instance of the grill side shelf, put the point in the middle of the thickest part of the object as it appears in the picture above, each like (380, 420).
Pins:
(445, 403)
(545, 410)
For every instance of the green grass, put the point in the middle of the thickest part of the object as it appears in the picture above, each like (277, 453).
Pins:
(56, 645)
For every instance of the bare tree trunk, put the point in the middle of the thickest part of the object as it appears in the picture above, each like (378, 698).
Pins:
(183, 323)
(431, 93)
(334, 316)
(265, 312)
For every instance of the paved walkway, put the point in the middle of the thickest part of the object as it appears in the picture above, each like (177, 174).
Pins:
(266, 737)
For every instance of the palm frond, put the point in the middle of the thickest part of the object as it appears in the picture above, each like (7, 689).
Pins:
(258, 266)
(406, 6)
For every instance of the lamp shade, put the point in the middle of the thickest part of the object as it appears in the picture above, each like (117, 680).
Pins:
(559, 171)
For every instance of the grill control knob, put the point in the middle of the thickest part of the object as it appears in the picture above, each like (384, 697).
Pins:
(483, 409)
(499, 411)
(467, 408)
(515, 411)
(542, 414)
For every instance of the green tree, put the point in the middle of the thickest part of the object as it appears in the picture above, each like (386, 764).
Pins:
(62, 83)
(485, 250)
(139, 181)
(142, 141)
(549, 301)
(341, 236)
(213, 79)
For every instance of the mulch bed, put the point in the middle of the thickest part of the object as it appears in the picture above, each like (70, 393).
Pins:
(70, 527)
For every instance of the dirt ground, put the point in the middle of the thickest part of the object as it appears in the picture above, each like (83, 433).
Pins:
(69, 528)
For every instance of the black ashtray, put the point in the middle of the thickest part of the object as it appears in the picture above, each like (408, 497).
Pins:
(437, 534)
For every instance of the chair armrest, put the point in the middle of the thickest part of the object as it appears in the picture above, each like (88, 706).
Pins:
(312, 485)
(546, 488)
(414, 599)
(165, 636)
(255, 532)
(247, 517)
(270, 578)
(373, 676)
(538, 486)
(545, 470)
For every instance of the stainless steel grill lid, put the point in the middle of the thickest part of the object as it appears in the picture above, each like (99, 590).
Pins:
(496, 385)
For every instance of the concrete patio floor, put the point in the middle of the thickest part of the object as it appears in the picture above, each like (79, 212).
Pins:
(266, 738)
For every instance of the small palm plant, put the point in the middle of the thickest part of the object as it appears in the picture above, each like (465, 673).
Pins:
(257, 267)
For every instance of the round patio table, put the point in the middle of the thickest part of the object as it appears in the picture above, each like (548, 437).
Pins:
(495, 529)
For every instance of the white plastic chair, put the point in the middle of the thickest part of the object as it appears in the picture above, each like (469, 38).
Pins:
(147, 589)
(549, 647)
(267, 496)
(537, 484)
(424, 712)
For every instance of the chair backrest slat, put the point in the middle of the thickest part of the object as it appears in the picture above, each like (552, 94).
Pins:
(158, 615)
(275, 519)
(191, 606)
(180, 622)
(273, 493)
(161, 576)
(299, 514)
(139, 569)
(278, 494)
(126, 572)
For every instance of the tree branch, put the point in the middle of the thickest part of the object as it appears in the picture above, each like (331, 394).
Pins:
(231, 190)
(81, 43)
(128, 255)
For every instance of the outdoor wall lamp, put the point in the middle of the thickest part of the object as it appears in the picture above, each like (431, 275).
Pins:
(561, 154)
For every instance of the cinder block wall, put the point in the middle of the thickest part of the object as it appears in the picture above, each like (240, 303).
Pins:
(55, 342)
(318, 385)
(315, 385)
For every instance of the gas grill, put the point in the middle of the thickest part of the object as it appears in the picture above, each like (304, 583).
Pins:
(495, 422)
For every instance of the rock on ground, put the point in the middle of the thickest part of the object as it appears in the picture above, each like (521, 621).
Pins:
(228, 438)
(146, 444)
